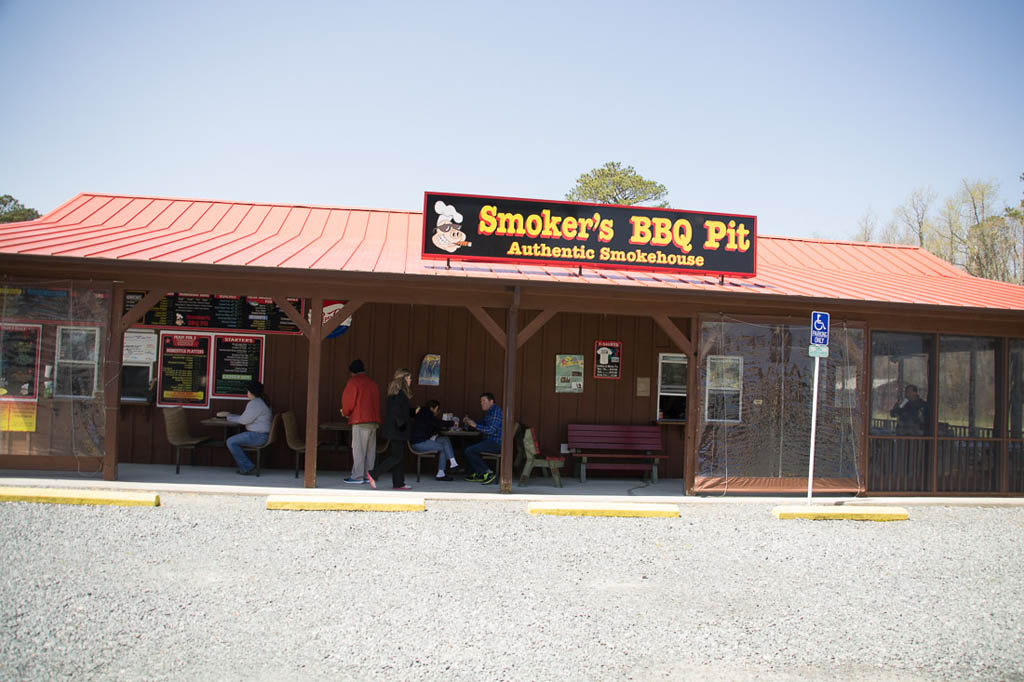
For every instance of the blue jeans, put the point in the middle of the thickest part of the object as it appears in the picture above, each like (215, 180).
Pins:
(472, 453)
(442, 445)
(250, 438)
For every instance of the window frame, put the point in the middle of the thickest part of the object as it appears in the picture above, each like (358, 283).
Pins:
(58, 362)
(708, 389)
(671, 357)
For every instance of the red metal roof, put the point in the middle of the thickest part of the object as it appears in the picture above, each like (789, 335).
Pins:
(384, 241)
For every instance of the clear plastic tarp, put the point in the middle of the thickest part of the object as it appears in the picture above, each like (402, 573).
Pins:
(756, 386)
(52, 336)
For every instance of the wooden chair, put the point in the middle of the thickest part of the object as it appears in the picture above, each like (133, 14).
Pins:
(275, 426)
(420, 456)
(528, 451)
(291, 435)
(177, 434)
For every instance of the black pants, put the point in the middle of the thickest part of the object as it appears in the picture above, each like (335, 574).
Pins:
(395, 463)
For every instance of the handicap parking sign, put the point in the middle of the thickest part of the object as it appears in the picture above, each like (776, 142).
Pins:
(819, 328)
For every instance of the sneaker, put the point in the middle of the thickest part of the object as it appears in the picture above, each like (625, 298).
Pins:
(355, 480)
(370, 479)
(443, 478)
(475, 478)
(402, 487)
(250, 472)
(457, 469)
(488, 478)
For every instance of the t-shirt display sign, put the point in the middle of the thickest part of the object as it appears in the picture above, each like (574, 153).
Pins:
(212, 311)
(237, 360)
(607, 359)
(184, 370)
(19, 362)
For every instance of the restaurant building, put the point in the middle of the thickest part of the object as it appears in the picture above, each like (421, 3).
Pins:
(114, 307)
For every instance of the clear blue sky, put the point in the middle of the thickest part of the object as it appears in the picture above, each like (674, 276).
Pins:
(802, 113)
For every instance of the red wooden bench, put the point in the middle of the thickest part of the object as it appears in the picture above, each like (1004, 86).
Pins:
(631, 447)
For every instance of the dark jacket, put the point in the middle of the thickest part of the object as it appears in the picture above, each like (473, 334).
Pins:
(912, 418)
(397, 418)
(425, 425)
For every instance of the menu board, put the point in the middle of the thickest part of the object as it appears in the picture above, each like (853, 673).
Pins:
(237, 360)
(19, 362)
(213, 311)
(184, 370)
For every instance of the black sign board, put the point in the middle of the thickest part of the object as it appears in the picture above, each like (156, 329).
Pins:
(237, 360)
(184, 370)
(607, 359)
(529, 231)
(19, 362)
(215, 312)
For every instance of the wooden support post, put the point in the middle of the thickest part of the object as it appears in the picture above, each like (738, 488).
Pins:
(534, 326)
(692, 414)
(492, 327)
(294, 315)
(509, 399)
(138, 310)
(673, 333)
(112, 383)
(313, 389)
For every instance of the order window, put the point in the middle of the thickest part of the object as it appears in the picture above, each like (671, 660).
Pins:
(77, 355)
(724, 389)
(672, 387)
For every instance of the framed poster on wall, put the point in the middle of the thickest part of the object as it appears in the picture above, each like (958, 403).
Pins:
(568, 374)
(184, 376)
(19, 362)
(607, 359)
(237, 360)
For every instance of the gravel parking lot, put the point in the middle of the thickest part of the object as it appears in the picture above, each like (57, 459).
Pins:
(209, 587)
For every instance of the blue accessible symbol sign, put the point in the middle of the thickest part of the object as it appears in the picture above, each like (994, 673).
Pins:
(819, 329)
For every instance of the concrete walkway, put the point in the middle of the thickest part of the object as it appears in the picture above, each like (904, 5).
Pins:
(224, 481)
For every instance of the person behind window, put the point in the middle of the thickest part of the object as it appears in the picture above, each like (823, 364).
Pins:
(911, 413)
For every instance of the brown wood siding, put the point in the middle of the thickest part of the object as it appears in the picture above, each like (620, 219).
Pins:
(388, 336)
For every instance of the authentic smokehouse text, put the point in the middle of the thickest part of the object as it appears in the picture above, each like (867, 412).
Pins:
(676, 235)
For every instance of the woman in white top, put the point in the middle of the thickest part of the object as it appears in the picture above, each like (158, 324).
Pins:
(256, 418)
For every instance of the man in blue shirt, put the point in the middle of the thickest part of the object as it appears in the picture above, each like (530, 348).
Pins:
(490, 427)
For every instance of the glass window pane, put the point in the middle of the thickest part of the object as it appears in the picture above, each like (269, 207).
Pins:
(672, 407)
(78, 344)
(967, 386)
(899, 383)
(76, 380)
(724, 372)
(1016, 372)
(673, 374)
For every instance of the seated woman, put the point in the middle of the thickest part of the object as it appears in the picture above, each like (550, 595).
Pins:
(426, 429)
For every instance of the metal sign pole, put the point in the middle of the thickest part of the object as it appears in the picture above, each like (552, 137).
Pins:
(814, 425)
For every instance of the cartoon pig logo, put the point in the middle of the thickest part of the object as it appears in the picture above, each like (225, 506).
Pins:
(447, 235)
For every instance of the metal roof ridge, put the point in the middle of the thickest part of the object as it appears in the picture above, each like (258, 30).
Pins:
(848, 242)
(232, 201)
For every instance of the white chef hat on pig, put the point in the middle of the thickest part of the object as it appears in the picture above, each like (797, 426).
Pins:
(446, 214)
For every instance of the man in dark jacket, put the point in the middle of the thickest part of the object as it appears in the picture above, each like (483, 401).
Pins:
(911, 413)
